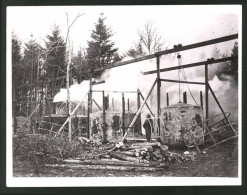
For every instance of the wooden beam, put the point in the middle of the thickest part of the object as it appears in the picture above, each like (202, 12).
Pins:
(185, 97)
(123, 113)
(206, 93)
(52, 80)
(177, 81)
(167, 99)
(139, 124)
(104, 118)
(190, 65)
(147, 105)
(199, 44)
(201, 99)
(183, 48)
(97, 104)
(112, 104)
(168, 51)
(100, 91)
(158, 91)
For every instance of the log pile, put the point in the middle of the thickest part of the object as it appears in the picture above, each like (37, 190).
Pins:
(149, 153)
(135, 157)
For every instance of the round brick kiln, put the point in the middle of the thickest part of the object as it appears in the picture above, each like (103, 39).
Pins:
(179, 122)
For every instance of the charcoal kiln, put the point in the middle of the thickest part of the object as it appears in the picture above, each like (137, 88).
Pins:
(181, 122)
(114, 124)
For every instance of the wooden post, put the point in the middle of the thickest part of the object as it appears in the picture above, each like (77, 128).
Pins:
(108, 102)
(88, 114)
(201, 99)
(89, 110)
(206, 92)
(104, 117)
(30, 109)
(185, 97)
(123, 113)
(112, 104)
(167, 99)
(128, 104)
(139, 125)
(158, 90)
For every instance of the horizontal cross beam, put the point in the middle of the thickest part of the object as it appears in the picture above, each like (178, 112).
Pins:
(177, 81)
(114, 91)
(168, 51)
(191, 65)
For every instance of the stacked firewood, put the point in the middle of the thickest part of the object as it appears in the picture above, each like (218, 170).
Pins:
(136, 152)
(147, 153)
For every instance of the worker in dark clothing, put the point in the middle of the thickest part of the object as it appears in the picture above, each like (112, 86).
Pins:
(148, 126)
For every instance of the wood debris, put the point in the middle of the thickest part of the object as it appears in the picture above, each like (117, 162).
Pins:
(145, 156)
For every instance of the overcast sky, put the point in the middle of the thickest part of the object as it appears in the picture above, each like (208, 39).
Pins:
(177, 24)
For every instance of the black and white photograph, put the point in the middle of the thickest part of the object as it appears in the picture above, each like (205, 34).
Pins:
(131, 95)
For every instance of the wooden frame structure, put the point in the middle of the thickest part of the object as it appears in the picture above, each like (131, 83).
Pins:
(157, 72)
(174, 50)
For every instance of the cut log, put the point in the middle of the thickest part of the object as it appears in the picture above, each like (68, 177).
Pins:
(108, 162)
(163, 148)
(106, 167)
(120, 156)
(143, 153)
(129, 153)
(145, 148)
(147, 144)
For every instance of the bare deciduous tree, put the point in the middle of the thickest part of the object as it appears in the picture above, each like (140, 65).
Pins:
(151, 38)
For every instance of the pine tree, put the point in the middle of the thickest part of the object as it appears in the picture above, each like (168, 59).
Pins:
(233, 65)
(79, 63)
(55, 54)
(221, 68)
(17, 67)
(16, 50)
(32, 51)
(101, 51)
(136, 50)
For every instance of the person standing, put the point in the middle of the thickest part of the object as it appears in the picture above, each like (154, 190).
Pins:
(148, 126)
